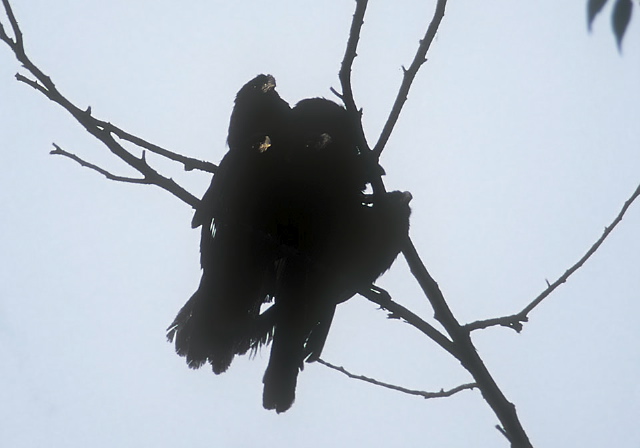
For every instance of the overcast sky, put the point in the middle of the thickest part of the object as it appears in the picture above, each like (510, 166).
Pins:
(519, 142)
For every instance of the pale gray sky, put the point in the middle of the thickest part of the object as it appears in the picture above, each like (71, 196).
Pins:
(520, 142)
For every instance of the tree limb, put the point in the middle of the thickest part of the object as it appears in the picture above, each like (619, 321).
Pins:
(515, 320)
(14, 25)
(30, 82)
(103, 131)
(466, 352)
(350, 55)
(105, 173)
(382, 298)
(441, 394)
(189, 163)
(409, 76)
(347, 96)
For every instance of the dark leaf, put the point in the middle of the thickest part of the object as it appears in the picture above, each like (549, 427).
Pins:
(620, 19)
(593, 9)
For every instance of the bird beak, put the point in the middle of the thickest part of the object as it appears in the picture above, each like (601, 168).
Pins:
(406, 196)
(266, 143)
(269, 85)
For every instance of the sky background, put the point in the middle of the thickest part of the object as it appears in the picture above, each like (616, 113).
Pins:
(519, 142)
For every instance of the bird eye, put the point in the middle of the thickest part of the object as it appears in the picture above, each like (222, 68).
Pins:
(325, 139)
(212, 228)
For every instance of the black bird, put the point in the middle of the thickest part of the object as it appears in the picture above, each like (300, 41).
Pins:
(311, 288)
(236, 253)
(372, 238)
(284, 220)
(322, 185)
(341, 244)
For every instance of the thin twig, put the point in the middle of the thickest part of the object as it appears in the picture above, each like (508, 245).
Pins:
(441, 394)
(105, 173)
(409, 76)
(30, 82)
(14, 23)
(347, 97)
(382, 298)
(515, 321)
(5, 37)
(349, 56)
(188, 162)
(503, 432)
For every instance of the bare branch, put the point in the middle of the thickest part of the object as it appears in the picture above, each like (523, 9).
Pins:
(141, 165)
(14, 24)
(409, 76)
(441, 394)
(345, 81)
(382, 298)
(349, 56)
(355, 114)
(347, 90)
(5, 37)
(336, 93)
(102, 130)
(188, 162)
(105, 173)
(30, 82)
(429, 286)
(465, 351)
(514, 321)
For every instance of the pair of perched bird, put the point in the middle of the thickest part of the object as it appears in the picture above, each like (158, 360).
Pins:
(285, 222)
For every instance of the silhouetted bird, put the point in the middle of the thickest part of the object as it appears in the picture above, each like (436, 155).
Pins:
(236, 254)
(311, 288)
(284, 220)
(341, 244)
(372, 239)
(323, 183)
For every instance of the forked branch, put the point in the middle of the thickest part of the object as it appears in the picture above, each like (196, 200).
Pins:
(396, 311)
(460, 344)
(515, 320)
(100, 129)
